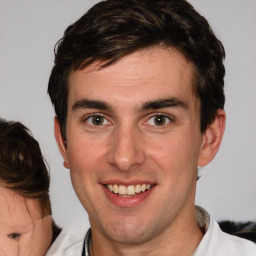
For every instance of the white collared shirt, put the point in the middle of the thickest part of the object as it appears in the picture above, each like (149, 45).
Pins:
(215, 242)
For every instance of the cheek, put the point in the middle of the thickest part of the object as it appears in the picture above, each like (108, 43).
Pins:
(8, 246)
(174, 154)
(86, 159)
(85, 150)
(37, 241)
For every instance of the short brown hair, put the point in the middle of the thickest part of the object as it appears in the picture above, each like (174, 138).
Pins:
(22, 166)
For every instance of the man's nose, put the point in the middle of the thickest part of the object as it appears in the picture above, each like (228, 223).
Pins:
(126, 150)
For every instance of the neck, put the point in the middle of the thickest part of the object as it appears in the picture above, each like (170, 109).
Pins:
(181, 239)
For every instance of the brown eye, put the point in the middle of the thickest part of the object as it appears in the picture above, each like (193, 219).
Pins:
(159, 120)
(97, 120)
(15, 236)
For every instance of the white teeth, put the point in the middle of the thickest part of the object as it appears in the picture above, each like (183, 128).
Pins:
(110, 187)
(115, 189)
(130, 190)
(137, 188)
(122, 190)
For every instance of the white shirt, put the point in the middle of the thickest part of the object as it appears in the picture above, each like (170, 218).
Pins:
(218, 243)
(214, 243)
(68, 243)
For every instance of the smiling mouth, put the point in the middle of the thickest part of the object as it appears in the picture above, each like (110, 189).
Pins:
(128, 191)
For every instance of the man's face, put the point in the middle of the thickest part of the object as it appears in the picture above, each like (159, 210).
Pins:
(23, 231)
(133, 127)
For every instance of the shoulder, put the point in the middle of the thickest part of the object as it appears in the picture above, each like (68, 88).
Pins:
(69, 242)
(218, 243)
(235, 245)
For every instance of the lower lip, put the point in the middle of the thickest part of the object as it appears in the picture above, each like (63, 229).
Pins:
(129, 201)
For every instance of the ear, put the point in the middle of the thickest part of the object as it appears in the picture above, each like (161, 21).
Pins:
(212, 138)
(60, 142)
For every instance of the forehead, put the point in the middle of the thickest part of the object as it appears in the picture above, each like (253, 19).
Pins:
(16, 210)
(150, 73)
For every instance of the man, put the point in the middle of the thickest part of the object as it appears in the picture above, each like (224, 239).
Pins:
(137, 88)
(26, 224)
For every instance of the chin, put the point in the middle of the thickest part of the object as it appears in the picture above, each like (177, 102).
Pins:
(132, 234)
(130, 238)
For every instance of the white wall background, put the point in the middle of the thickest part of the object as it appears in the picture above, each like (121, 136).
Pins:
(29, 30)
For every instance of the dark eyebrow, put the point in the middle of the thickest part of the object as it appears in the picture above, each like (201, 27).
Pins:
(94, 104)
(164, 103)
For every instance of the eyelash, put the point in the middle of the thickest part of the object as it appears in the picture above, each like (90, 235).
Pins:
(15, 236)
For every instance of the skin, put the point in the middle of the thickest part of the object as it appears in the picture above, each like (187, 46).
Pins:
(129, 147)
(23, 231)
